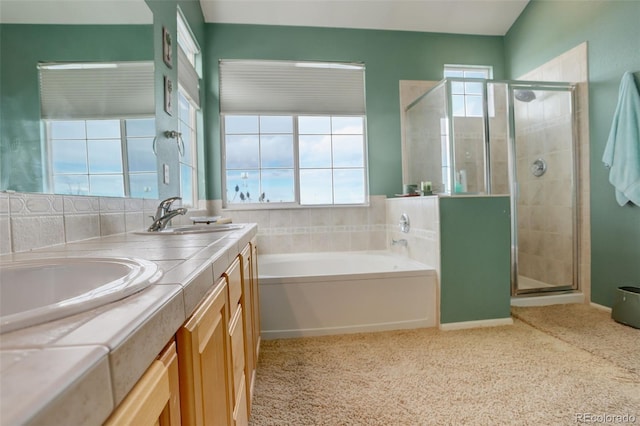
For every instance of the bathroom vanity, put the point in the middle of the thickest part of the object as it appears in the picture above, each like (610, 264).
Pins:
(182, 351)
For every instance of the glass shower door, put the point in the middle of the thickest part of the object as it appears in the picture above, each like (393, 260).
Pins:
(543, 189)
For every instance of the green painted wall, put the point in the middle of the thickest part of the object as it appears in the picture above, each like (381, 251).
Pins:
(164, 15)
(21, 48)
(549, 28)
(475, 258)
(389, 56)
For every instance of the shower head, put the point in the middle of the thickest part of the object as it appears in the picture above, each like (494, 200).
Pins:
(524, 95)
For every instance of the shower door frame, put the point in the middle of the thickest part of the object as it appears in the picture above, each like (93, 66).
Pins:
(512, 86)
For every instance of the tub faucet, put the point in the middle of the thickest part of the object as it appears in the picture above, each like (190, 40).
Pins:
(164, 214)
(401, 242)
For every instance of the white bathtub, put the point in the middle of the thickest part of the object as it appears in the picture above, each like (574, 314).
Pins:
(313, 294)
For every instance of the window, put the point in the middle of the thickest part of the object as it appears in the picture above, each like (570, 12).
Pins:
(293, 133)
(188, 110)
(99, 126)
(466, 97)
(268, 157)
(102, 157)
(188, 170)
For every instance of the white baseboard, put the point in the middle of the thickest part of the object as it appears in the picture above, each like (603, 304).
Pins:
(475, 324)
(328, 331)
(601, 307)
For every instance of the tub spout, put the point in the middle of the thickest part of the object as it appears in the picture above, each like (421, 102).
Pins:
(401, 242)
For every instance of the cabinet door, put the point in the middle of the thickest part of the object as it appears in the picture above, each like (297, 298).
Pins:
(154, 399)
(169, 358)
(234, 281)
(255, 301)
(236, 333)
(204, 359)
(248, 301)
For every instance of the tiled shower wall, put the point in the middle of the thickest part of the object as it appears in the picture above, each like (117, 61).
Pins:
(572, 67)
(545, 227)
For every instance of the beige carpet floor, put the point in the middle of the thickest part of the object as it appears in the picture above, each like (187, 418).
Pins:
(589, 329)
(507, 375)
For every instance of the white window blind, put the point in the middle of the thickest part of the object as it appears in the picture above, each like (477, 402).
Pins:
(188, 50)
(96, 90)
(249, 86)
(188, 78)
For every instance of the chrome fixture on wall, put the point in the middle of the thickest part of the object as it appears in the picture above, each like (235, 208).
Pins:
(401, 242)
(404, 224)
(538, 167)
(171, 134)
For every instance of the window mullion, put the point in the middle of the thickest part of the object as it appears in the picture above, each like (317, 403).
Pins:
(260, 187)
(333, 192)
(124, 148)
(296, 160)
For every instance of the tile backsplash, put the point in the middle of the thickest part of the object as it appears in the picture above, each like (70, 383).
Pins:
(29, 221)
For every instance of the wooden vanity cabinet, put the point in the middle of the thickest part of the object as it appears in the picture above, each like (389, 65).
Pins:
(255, 300)
(251, 317)
(206, 375)
(204, 356)
(238, 388)
(155, 399)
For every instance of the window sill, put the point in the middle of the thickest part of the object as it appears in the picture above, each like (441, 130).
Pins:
(289, 207)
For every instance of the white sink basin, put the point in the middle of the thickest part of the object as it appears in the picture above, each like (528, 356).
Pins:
(193, 229)
(37, 291)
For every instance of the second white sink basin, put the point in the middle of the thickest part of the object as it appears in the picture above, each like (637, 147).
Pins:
(193, 229)
(37, 291)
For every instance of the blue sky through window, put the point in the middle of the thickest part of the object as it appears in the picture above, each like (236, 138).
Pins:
(260, 159)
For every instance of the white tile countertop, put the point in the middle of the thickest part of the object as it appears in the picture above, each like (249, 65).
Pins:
(77, 369)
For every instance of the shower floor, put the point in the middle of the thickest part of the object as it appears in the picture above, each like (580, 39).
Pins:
(526, 283)
(538, 299)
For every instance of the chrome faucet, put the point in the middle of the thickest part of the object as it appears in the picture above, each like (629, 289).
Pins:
(164, 214)
(400, 242)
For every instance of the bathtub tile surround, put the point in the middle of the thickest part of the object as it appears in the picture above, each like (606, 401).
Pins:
(5, 228)
(315, 229)
(423, 238)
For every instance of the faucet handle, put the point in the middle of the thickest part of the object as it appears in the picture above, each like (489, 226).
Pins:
(166, 204)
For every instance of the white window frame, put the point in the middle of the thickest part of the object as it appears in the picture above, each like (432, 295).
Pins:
(126, 172)
(295, 89)
(296, 203)
(189, 87)
(191, 127)
(472, 68)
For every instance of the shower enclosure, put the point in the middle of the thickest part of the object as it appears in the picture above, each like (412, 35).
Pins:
(486, 137)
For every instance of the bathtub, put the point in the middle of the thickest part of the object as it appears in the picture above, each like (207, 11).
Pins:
(314, 294)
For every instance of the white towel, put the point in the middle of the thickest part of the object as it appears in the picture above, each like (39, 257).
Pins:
(622, 153)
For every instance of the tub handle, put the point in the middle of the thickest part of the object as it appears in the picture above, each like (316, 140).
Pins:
(405, 225)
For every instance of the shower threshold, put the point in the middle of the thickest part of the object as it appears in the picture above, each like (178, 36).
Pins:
(548, 298)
